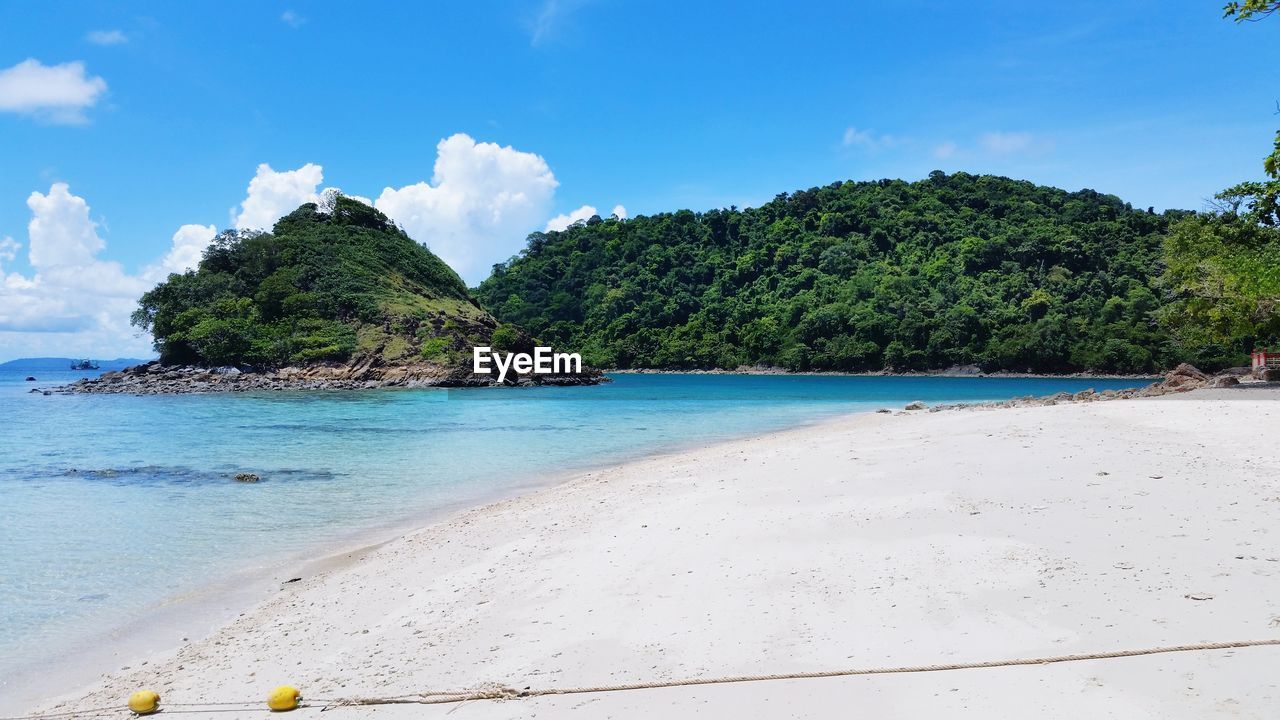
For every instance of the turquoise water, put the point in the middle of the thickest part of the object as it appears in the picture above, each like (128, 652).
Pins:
(110, 504)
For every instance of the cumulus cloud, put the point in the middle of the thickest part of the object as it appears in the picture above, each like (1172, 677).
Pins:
(481, 203)
(106, 37)
(75, 302)
(560, 222)
(60, 230)
(329, 196)
(272, 195)
(72, 301)
(8, 251)
(586, 212)
(185, 251)
(55, 93)
(292, 19)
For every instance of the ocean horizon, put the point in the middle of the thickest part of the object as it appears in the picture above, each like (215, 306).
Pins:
(112, 506)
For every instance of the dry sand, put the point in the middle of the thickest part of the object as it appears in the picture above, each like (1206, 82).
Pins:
(873, 540)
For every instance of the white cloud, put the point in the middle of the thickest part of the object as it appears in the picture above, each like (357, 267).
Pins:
(292, 19)
(184, 254)
(866, 139)
(8, 251)
(1003, 143)
(272, 195)
(479, 207)
(330, 194)
(945, 150)
(73, 301)
(57, 93)
(106, 37)
(60, 230)
(560, 222)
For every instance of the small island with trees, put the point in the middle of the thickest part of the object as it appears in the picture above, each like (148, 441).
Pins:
(334, 297)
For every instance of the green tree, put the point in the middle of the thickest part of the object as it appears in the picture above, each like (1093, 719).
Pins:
(1262, 198)
(1250, 10)
(1224, 272)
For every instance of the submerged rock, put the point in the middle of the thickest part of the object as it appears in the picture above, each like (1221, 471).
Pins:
(247, 477)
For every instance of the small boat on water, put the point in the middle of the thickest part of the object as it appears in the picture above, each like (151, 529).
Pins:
(85, 364)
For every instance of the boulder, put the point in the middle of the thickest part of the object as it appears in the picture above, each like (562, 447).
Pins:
(1186, 377)
(31, 378)
(1267, 374)
(915, 405)
(1225, 381)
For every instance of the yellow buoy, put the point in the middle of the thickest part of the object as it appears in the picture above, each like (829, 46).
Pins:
(285, 697)
(144, 702)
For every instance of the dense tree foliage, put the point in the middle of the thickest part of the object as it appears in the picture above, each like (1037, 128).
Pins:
(331, 284)
(1224, 270)
(951, 270)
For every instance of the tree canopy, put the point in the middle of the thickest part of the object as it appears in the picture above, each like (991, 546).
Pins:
(1223, 268)
(327, 284)
(951, 270)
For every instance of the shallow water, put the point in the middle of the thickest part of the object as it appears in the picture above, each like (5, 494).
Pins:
(109, 504)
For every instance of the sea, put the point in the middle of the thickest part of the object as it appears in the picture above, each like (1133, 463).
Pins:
(115, 507)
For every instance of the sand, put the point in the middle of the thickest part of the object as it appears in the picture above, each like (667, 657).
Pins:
(872, 540)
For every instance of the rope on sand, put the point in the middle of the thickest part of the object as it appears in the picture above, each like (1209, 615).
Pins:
(503, 692)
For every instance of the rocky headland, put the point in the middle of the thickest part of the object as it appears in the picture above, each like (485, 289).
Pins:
(155, 378)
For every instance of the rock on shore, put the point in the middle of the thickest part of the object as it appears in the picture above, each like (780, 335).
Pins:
(154, 378)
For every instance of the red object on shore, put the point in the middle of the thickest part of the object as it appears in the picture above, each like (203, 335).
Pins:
(1265, 359)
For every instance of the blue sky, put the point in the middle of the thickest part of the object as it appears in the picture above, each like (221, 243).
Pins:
(649, 105)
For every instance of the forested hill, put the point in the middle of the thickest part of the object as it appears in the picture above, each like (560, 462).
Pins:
(332, 284)
(951, 270)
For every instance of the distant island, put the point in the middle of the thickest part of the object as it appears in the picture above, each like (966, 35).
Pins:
(64, 363)
(335, 296)
(977, 272)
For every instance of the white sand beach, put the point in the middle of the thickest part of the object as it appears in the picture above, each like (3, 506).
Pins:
(874, 540)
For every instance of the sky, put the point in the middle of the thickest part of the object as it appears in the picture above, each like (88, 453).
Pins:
(130, 133)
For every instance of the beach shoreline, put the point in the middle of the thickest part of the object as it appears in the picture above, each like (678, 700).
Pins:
(965, 372)
(685, 488)
(148, 635)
